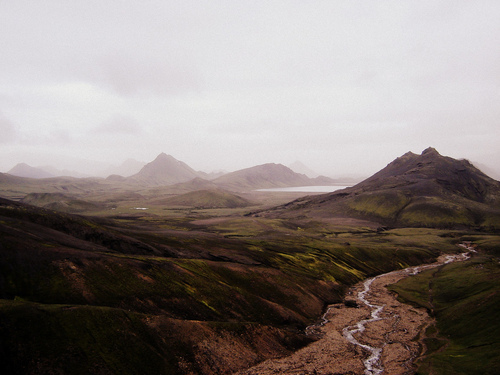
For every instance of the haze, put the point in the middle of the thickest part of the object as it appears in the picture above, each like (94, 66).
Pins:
(342, 86)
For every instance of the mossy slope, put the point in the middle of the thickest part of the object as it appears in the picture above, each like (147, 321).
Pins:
(465, 300)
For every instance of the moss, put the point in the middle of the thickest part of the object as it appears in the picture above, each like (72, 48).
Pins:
(465, 302)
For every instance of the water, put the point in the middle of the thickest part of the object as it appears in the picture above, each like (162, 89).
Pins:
(372, 363)
(307, 189)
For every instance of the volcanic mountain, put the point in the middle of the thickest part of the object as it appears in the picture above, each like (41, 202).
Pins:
(267, 176)
(413, 190)
(164, 170)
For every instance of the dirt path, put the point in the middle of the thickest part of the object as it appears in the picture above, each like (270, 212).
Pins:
(395, 333)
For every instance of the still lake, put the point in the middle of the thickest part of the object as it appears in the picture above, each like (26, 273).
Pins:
(307, 189)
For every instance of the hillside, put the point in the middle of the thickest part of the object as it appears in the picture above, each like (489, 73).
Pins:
(61, 202)
(266, 176)
(152, 295)
(211, 198)
(413, 190)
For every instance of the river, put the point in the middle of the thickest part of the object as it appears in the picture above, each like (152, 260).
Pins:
(381, 336)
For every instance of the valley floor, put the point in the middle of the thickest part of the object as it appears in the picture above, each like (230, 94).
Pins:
(398, 332)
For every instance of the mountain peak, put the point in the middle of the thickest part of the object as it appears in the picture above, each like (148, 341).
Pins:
(164, 156)
(25, 170)
(430, 151)
(164, 170)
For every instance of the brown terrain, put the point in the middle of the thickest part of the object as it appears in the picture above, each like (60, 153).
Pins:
(398, 332)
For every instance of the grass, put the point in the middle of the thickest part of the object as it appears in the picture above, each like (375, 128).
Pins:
(465, 302)
(144, 279)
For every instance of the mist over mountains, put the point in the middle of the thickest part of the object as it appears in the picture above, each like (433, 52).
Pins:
(167, 170)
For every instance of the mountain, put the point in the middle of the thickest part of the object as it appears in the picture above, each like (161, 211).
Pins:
(164, 170)
(24, 170)
(266, 176)
(413, 190)
(62, 172)
(494, 173)
(299, 167)
(128, 168)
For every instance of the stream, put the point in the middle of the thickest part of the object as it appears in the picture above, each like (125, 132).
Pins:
(378, 337)
(373, 365)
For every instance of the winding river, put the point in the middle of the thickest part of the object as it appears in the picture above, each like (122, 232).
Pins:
(373, 365)
(378, 337)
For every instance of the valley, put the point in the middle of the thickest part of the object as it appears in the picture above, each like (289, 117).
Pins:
(171, 272)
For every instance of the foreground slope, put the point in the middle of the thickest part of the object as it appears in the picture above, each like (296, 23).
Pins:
(414, 190)
(148, 295)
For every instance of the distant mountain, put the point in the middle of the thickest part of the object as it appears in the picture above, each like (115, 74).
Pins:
(299, 167)
(24, 170)
(62, 172)
(128, 168)
(414, 190)
(266, 176)
(164, 170)
(494, 173)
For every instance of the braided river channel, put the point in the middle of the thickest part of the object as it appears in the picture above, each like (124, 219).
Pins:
(379, 336)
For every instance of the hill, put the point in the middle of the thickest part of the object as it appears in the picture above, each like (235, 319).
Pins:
(24, 170)
(211, 198)
(164, 170)
(61, 202)
(266, 176)
(414, 190)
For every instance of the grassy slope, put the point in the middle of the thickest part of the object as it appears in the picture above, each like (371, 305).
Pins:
(93, 301)
(465, 300)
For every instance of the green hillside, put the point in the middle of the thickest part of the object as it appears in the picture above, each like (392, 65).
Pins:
(82, 295)
(464, 298)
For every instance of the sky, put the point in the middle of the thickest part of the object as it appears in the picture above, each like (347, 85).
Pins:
(344, 87)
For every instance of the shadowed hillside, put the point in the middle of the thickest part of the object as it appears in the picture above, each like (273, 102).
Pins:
(414, 190)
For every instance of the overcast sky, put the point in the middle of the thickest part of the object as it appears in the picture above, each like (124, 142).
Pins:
(343, 86)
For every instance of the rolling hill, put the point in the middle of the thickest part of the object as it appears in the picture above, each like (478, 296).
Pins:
(413, 190)
(208, 198)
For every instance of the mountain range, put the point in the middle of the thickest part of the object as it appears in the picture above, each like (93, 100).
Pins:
(166, 170)
(197, 284)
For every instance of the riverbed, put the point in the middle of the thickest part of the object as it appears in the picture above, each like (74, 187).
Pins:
(380, 336)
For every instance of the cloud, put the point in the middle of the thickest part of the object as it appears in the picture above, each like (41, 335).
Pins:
(7, 130)
(119, 125)
(129, 74)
